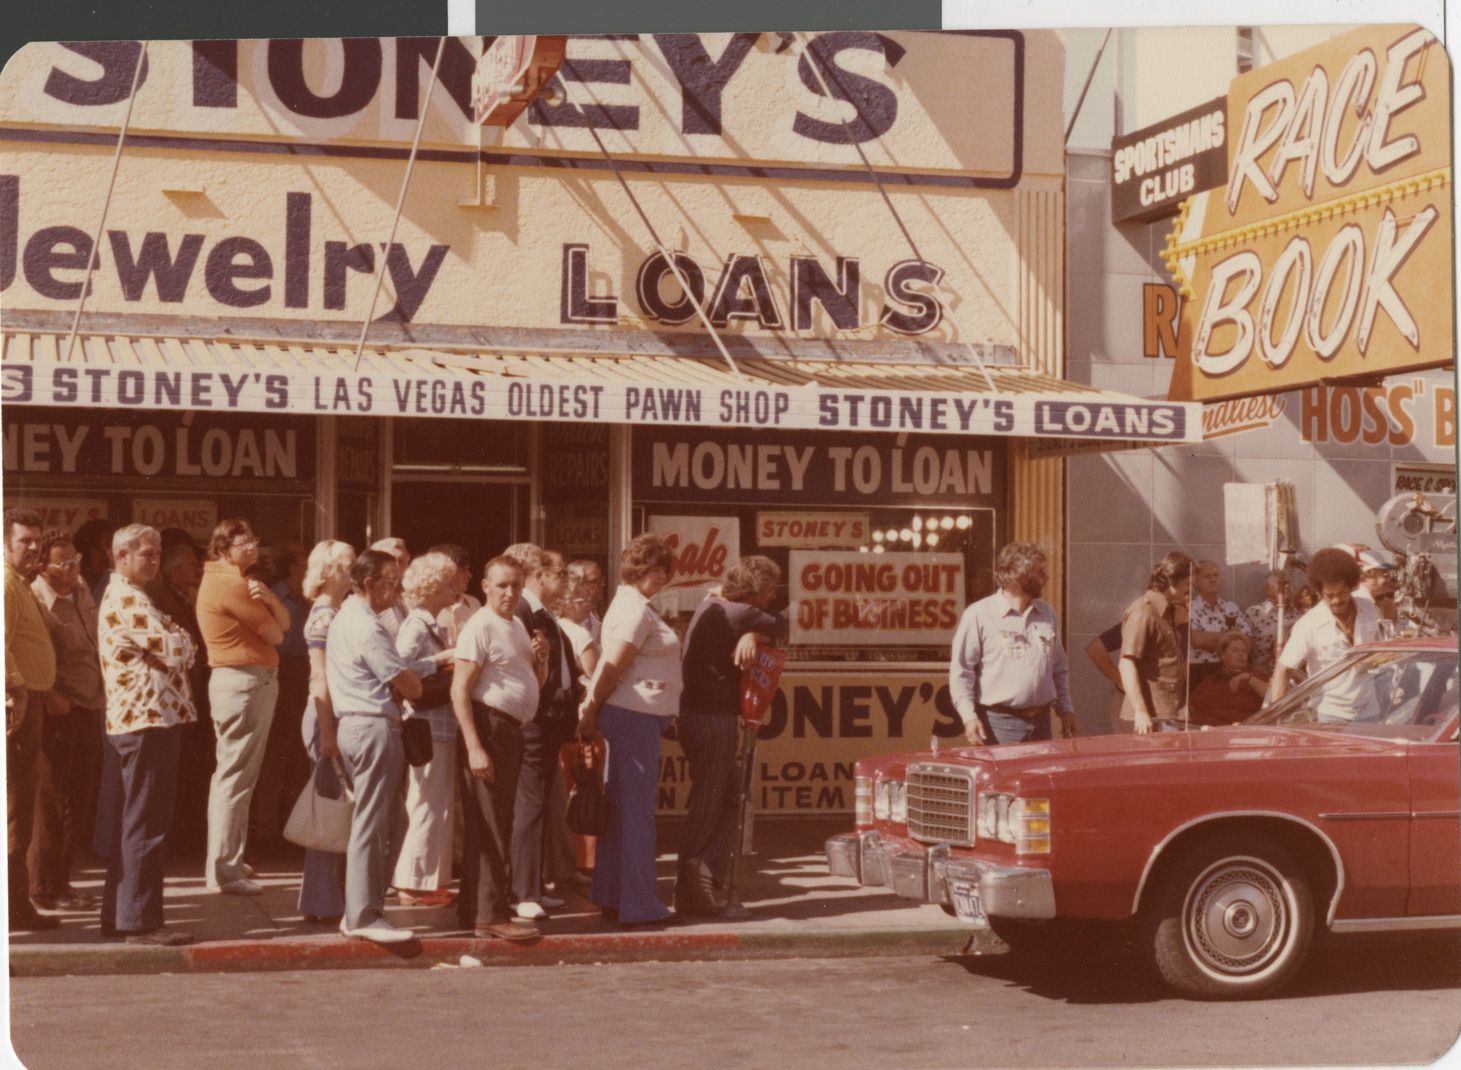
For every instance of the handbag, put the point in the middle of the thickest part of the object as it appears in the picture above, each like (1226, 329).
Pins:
(436, 688)
(588, 810)
(318, 821)
(416, 738)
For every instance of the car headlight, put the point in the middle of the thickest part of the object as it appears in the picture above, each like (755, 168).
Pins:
(862, 800)
(1022, 822)
(890, 801)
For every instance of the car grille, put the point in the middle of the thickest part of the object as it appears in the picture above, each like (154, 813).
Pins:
(941, 804)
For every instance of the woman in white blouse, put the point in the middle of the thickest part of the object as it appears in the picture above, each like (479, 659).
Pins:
(423, 868)
(634, 695)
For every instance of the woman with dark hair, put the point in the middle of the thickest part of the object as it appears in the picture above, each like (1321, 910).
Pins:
(1233, 693)
(634, 695)
(720, 642)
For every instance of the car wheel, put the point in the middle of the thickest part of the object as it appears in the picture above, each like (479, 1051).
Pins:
(1233, 918)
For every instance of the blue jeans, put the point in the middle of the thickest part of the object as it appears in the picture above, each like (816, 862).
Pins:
(1007, 728)
(375, 761)
(145, 765)
(242, 701)
(625, 878)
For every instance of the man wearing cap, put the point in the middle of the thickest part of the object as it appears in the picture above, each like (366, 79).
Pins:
(1008, 666)
(1377, 583)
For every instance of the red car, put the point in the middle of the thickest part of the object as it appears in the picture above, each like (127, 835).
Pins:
(1335, 808)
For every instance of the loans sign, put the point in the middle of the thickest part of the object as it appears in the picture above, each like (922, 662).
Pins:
(1328, 253)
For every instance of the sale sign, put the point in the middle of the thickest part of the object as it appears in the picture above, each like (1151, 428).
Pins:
(704, 548)
(841, 598)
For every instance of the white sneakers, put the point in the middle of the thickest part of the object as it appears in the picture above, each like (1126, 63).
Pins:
(530, 911)
(379, 931)
(242, 887)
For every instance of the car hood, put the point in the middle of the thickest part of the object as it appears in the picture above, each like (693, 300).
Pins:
(1237, 742)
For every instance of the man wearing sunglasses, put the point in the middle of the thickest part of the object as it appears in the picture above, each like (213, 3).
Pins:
(71, 729)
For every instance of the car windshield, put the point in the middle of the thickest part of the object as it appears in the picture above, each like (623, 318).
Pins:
(1410, 694)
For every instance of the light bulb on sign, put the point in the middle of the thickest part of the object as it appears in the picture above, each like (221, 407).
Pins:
(963, 523)
(947, 523)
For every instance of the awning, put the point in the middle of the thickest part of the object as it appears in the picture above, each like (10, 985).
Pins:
(315, 377)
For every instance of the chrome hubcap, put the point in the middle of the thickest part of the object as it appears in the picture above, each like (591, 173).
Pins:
(1236, 918)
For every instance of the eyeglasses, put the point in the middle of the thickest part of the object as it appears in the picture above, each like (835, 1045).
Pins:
(69, 563)
(245, 542)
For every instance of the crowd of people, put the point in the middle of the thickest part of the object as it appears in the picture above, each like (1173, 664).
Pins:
(1183, 655)
(164, 697)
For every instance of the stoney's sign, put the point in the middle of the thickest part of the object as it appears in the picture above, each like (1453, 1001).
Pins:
(1328, 254)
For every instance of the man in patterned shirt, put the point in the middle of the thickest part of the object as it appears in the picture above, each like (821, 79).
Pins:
(1263, 621)
(145, 659)
(1210, 616)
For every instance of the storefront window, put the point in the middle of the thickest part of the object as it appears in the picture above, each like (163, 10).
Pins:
(882, 540)
(460, 447)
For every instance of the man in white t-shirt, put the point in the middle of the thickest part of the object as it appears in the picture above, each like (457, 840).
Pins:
(494, 692)
(1328, 631)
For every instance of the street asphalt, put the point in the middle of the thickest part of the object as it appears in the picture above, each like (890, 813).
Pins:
(796, 910)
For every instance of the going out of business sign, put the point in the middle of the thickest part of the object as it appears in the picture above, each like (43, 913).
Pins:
(1327, 255)
(1154, 169)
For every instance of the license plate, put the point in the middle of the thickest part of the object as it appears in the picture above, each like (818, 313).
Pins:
(966, 902)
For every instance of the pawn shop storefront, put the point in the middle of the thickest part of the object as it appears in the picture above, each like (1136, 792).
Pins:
(676, 293)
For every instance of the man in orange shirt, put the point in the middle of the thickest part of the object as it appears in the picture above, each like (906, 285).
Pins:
(241, 621)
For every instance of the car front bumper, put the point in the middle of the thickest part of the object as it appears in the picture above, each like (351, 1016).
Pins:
(924, 873)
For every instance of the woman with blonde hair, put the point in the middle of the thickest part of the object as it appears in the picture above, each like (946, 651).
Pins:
(326, 585)
(423, 868)
(633, 697)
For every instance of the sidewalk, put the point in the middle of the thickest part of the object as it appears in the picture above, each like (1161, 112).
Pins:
(797, 911)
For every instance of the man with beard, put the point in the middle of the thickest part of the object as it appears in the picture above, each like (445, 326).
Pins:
(1009, 667)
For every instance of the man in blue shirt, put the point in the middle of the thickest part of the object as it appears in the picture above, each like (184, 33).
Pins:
(1009, 667)
(367, 681)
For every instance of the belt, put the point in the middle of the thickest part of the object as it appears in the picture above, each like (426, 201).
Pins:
(1024, 713)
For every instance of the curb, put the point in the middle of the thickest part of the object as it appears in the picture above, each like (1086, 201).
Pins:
(332, 952)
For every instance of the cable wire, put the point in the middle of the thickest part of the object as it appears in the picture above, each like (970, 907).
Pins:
(91, 261)
(380, 275)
